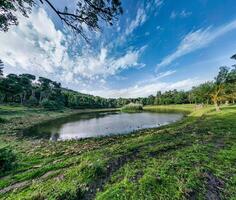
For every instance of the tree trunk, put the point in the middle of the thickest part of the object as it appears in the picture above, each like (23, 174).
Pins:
(32, 93)
(216, 106)
(40, 96)
(21, 98)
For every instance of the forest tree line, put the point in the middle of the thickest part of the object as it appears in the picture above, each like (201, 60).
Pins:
(25, 89)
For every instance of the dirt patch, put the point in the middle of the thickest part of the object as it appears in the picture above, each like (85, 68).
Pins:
(213, 186)
(137, 176)
(111, 168)
(15, 186)
(21, 185)
(49, 174)
(191, 195)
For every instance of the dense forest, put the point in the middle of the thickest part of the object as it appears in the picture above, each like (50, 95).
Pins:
(27, 90)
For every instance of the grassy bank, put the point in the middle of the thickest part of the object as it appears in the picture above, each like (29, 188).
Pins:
(191, 159)
(17, 118)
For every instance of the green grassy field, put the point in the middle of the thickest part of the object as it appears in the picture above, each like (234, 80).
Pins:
(191, 159)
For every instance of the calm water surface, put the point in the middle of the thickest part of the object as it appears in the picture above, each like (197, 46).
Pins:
(100, 124)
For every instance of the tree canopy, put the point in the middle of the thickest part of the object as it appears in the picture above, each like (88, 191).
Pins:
(86, 12)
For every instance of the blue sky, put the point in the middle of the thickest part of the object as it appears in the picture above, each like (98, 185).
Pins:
(155, 45)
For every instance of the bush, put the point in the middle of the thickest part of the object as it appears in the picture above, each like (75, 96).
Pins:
(50, 105)
(132, 107)
(7, 159)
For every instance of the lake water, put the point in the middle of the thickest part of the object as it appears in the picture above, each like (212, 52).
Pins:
(100, 124)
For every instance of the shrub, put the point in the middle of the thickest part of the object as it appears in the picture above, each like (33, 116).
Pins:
(132, 107)
(7, 159)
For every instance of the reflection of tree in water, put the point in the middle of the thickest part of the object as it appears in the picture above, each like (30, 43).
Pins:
(55, 136)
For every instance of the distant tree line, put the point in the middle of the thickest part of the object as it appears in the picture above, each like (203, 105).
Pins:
(25, 89)
(221, 90)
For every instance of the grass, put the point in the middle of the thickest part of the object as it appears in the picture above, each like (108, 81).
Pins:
(190, 159)
(184, 108)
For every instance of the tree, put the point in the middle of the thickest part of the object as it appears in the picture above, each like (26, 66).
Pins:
(86, 12)
(230, 90)
(1, 68)
(2, 95)
(218, 90)
(233, 57)
(8, 9)
(201, 93)
(25, 80)
(158, 98)
(11, 88)
(45, 87)
(180, 97)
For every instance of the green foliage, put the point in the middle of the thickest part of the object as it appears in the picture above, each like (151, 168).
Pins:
(8, 14)
(33, 101)
(88, 13)
(50, 105)
(170, 97)
(79, 100)
(7, 159)
(2, 120)
(201, 93)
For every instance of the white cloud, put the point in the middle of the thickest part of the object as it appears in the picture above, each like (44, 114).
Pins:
(182, 14)
(165, 74)
(157, 77)
(185, 13)
(101, 64)
(144, 90)
(153, 5)
(141, 17)
(36, 46)
(197, 40)
(158, 2)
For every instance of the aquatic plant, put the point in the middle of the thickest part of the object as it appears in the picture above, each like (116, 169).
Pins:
(132, 107)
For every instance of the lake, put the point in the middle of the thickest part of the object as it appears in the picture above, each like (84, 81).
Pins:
(100, 124)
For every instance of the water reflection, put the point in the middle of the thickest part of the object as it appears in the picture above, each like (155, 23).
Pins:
(100, 124)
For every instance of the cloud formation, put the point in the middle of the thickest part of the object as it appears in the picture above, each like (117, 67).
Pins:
(140, 18)
(144, 90)
(36, 46)
(197, 40)
(102, 65)
(182, 14)
(33, 44)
